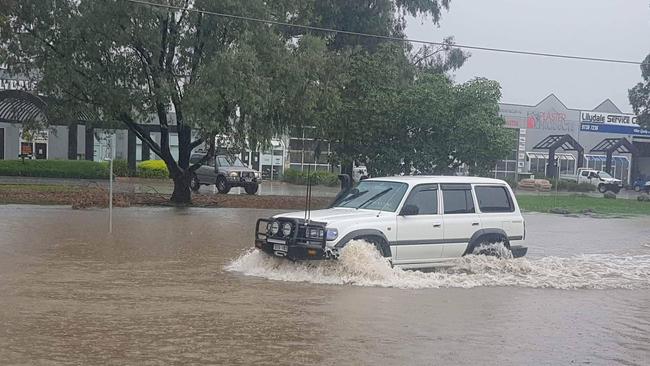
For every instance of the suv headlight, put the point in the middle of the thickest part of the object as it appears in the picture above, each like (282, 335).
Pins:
(275, 228)
(257, 174)
(234, 174)
(331, 234)
(286, 229)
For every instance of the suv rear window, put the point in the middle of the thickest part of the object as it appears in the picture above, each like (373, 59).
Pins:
(493, 199)
(457, 198)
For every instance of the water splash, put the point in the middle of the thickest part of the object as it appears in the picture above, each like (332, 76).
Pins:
(361, 265)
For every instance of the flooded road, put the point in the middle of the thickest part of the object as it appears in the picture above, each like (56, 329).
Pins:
(180, 286)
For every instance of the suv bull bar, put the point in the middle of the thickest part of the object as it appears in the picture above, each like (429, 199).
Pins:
(307, 240)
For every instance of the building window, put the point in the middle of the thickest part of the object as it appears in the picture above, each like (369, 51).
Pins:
(507, 168)
(537, 163)
(301, 155)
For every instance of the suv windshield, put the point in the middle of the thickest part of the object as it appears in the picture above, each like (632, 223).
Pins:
(604, 175)
(226, 161)
(237, 162)
(375, 195)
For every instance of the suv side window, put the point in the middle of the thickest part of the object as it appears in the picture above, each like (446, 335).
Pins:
(493, 199)
(585, 173)
(457, 198)
(425, 198)
(222, 161)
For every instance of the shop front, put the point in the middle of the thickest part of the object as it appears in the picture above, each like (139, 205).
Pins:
(585, 129)
(33, 144)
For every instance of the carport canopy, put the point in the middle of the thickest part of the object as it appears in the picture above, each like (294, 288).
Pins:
(609, 146)
(564, 142)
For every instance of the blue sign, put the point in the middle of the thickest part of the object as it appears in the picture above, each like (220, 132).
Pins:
(612, 128)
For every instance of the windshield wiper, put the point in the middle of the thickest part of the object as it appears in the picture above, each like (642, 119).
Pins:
(351, 197)
(371, 199)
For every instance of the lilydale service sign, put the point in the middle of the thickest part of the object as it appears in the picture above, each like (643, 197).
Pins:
(611, 123)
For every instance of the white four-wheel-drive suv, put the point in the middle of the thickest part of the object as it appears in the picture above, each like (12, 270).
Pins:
(415, 221)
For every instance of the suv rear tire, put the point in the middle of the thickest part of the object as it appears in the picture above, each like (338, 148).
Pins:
(222, 185)
(490, 240)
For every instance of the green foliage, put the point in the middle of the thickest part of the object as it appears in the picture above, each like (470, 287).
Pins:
(579, 203)
(152, 169)
(383, 17)
(120, 168)
(639, 95)
(392, 113)
(81, 169)
(317, 177)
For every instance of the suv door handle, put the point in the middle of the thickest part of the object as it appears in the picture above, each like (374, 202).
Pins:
(437, 225)
(475, 224)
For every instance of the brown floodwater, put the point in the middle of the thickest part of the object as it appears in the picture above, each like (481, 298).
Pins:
(181, 286)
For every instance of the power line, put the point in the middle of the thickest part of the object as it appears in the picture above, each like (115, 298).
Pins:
(388, 38)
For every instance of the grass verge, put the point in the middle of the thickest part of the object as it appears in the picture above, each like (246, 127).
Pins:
(580, 203)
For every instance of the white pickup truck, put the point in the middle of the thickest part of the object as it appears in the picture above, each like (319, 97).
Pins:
(601, 179)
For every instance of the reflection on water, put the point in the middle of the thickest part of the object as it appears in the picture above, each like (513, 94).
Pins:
(168, 287)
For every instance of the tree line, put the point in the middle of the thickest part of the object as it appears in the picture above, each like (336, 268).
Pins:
(378, 101)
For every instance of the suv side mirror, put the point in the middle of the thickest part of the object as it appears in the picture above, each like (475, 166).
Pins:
(410, 210)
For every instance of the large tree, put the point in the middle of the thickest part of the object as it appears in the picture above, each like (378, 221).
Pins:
(640, 95)
(127, 62)
(377, 71)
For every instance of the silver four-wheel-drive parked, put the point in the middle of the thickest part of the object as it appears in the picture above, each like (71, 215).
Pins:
(225, 172)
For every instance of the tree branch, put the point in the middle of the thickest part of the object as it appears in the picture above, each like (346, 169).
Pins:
(196, 143)
(205, 158)
(141, 134)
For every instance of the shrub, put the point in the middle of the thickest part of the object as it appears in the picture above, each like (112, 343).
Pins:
(120, 168)
(81, 169)
(152, 169)
(317, 177)
(564, 185)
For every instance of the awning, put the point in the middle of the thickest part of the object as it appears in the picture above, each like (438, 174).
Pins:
(603, 158)
(541, 155)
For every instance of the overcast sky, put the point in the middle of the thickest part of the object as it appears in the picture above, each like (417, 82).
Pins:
(617, 29)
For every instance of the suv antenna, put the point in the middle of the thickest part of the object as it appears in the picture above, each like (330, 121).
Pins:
(309, 188)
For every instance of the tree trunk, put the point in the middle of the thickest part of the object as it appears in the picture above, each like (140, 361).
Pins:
(182, 194)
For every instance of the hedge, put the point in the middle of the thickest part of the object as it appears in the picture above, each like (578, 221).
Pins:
(317, 177)
(570, 186)
(152, 169)
(82, 169)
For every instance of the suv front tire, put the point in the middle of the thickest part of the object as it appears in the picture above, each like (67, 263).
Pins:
(222, 185)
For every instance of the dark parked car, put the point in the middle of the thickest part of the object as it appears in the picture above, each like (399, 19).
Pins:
(225, 171)
(640, 184)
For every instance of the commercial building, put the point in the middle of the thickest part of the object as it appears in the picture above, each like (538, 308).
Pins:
(573, 135)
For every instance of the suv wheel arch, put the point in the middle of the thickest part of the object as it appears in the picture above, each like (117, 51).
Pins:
(372, 235)
(492, 235)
